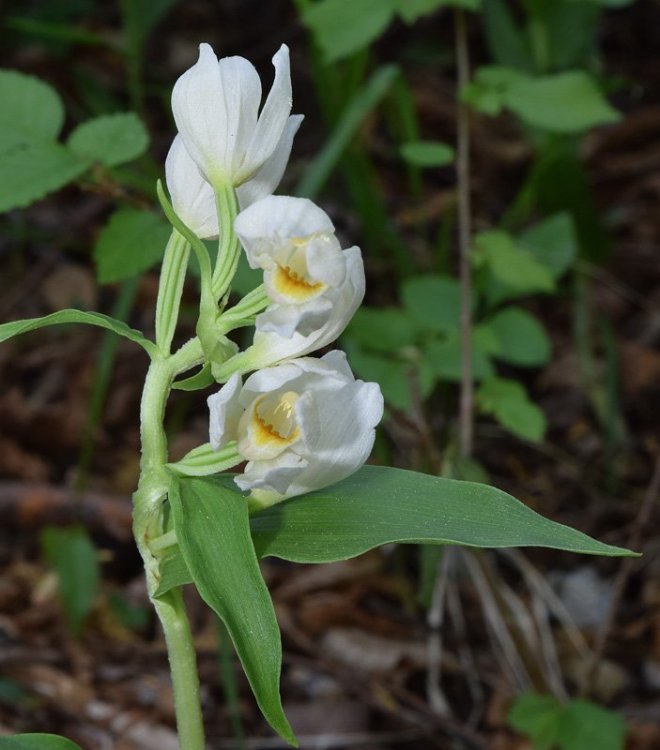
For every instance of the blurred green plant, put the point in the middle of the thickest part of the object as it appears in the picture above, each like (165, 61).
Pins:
(576, 725)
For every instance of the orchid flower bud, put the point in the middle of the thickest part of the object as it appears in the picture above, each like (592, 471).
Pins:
(316, 287)
(301, 425)
(216, 108)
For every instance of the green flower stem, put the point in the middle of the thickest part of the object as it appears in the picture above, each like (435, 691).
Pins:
(148, 525)
(243, 313)
(183, 667)
(228, 245)
(172, 278)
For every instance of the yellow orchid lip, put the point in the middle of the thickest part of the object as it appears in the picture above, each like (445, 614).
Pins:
(275, 426)
(292, 284)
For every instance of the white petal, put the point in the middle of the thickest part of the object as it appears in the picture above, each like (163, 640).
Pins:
(215, 105)
(192, 196)
(337, 360)
(349, 417)
(273, 476)
(285, 320)
(226, 411)
(266, 179)
(241, 89)
(262, 226)
(269, 348)
(272, 119)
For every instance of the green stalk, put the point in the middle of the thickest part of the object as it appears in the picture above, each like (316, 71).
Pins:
(172, 278)
(228, 245)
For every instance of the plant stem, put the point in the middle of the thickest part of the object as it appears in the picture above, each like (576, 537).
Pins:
(466, 407)
(154, 485)
(183, 667)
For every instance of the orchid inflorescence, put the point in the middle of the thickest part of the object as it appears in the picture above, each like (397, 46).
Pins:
(300, 422)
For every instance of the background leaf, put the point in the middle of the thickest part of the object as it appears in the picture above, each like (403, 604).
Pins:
(411, 10)
(31, 110)
(110, 139)
(508, 402)
(32, 169)
(378, 505)
(71, 553)
(569, 102)
(427, 153)
(516, 337)
(433, 302)
(341, 28)
(213, 532)
(129, 244)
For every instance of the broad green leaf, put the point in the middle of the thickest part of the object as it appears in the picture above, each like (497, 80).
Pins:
(569, 102)
(129, 244)
(110, 139)
(411, 10)
(427, 153)
(554, 242)
(487, 90)
(569, 32)
(16, 327)
(398, 378)
(514, 267)
(213, 532)
(379, 505)
(516, 337)
(444, 359)
(341, 28)
(508, 402)
(433, 302)
(586, 725)
(31, 110)
(73, 556)
(537, 716)
(37, 742)
(29, 170)
(507, 42)
(577, 725)
(365, 100)
(381, 329)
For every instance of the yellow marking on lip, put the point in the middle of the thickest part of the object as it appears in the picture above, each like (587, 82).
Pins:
(290, 283)
(266, 434)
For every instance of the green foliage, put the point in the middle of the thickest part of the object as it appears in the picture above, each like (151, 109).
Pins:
(130, 243)
(17, 327)
(110, 139)
(508, 44)
(32, 169)
(32, 161)
(213, 531)
(37, 742)
(342, 28)
(553, 242)
(569, 102)
(577, 725)
(433, 302)
(360, 105)
(515, 336)
(31, 110)
(427, 153)
(507, 401)
(71, 553)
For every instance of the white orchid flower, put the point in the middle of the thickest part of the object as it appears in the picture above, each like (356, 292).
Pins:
(301, 425)
(192, 196)
(216, 109)
(316, 287)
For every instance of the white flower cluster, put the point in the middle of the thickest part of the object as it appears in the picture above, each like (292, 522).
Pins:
(301, 423)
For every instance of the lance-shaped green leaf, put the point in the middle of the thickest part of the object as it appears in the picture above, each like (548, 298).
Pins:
(213, 533)
(16, 327)
(379, 505)
(37, 742)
